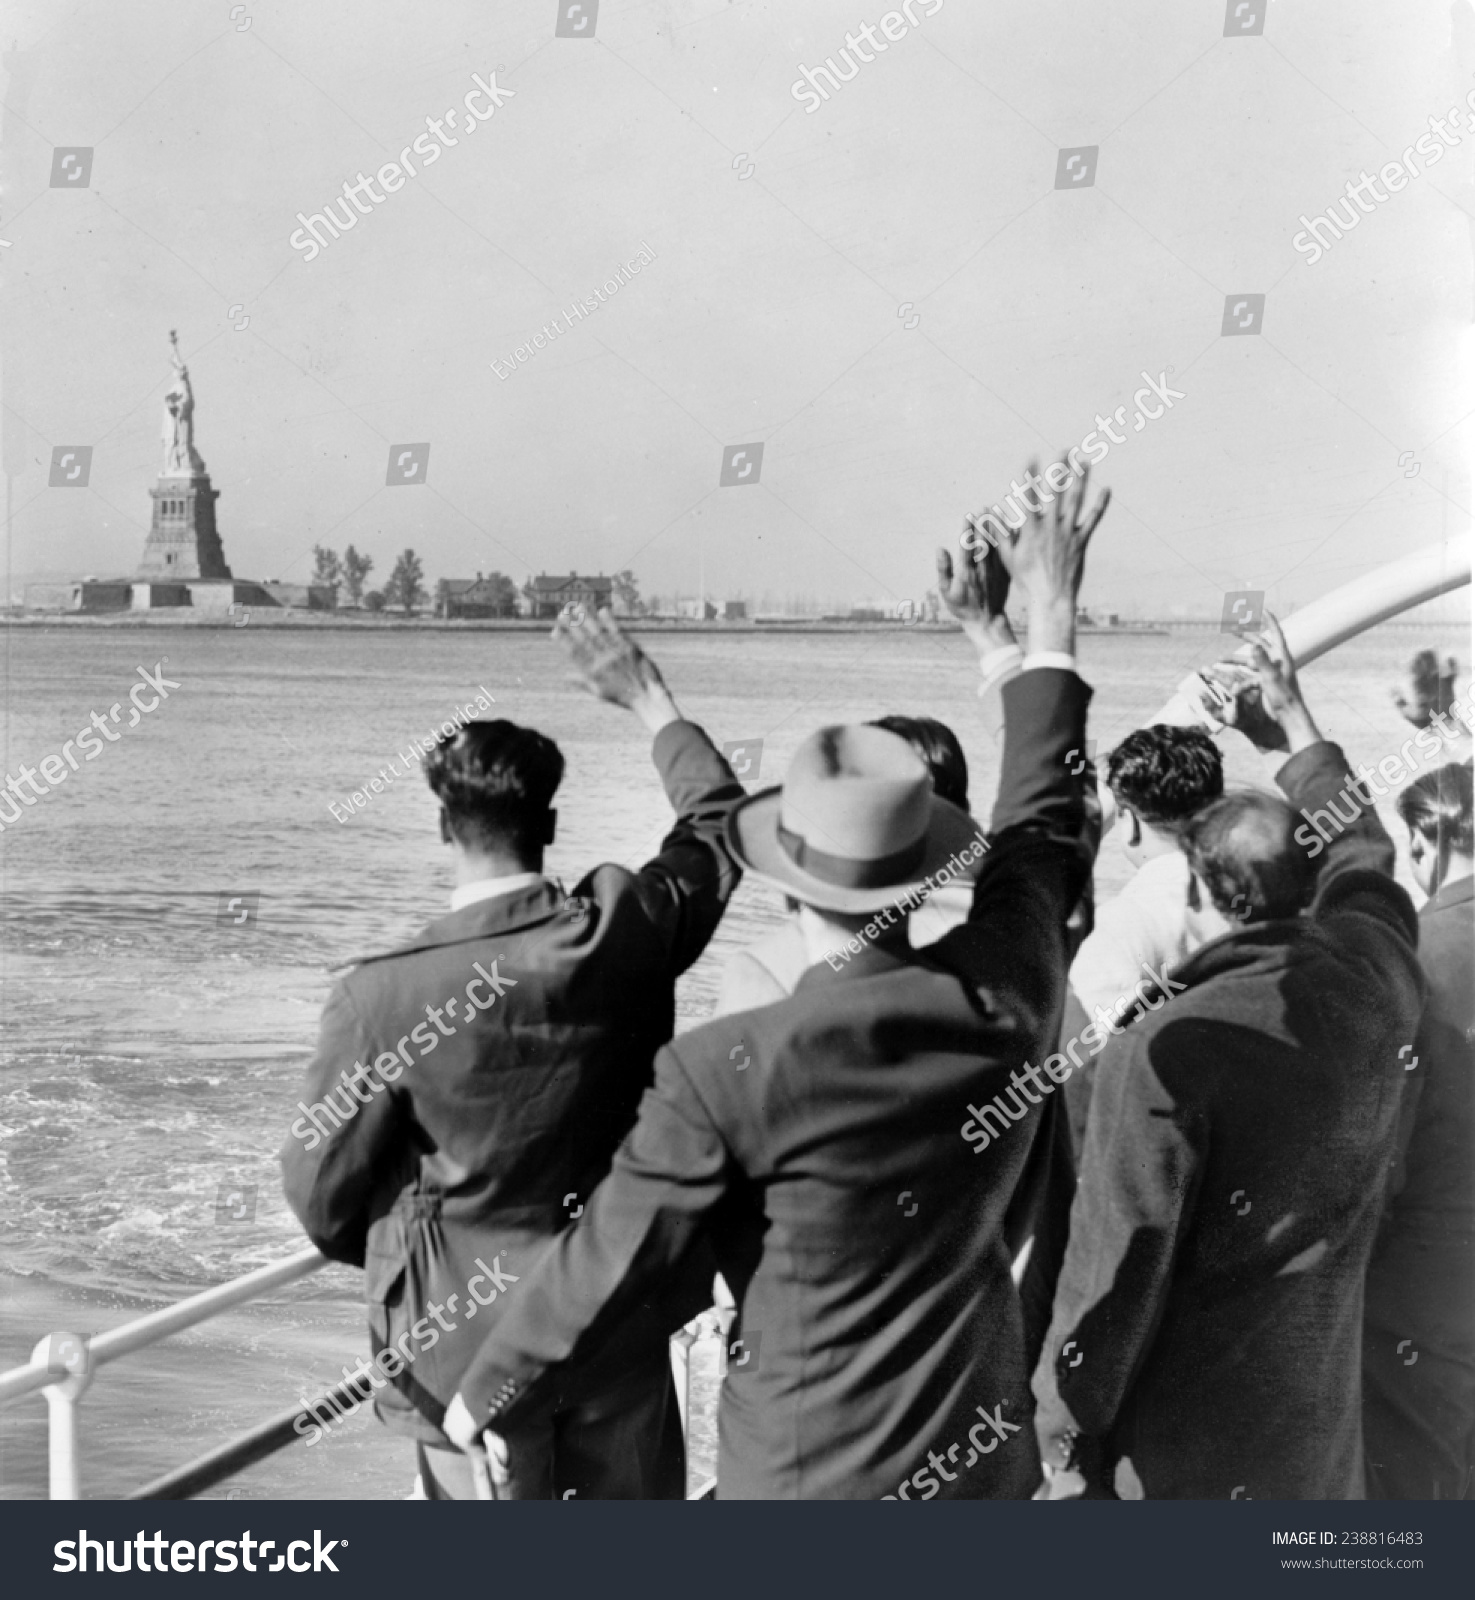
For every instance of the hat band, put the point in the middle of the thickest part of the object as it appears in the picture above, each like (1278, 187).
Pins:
(844, 872)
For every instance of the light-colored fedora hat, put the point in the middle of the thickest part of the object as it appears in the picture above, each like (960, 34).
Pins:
(855, 826)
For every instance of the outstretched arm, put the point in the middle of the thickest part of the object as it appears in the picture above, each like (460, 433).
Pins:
(1355, 856)
(687, 884)
(1038, 860)
(638, 1225)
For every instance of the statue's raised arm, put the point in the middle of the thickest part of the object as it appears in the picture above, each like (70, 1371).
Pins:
(180, 458)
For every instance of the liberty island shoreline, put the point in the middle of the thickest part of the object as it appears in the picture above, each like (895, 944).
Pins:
(1149, 627)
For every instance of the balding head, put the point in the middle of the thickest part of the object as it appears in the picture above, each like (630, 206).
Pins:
(1244, 850)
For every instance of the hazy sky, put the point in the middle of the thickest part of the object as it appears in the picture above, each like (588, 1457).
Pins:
(787, 245)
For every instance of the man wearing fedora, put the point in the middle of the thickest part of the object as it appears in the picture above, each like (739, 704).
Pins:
(879, 1347)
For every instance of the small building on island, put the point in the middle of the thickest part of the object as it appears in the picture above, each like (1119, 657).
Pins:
(479, 597)
(547, 596)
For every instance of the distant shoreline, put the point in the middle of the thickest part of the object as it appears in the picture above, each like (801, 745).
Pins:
(181, 617)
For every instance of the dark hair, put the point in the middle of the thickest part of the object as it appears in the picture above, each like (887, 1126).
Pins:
(1432, 678)
(1243, 847)
(496, 782)
(1166, 774)
(940, 751)
(1438, 805)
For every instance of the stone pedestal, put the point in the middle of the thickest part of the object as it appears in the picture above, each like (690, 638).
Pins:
(183, 541)
(148, 596)
(86, 595)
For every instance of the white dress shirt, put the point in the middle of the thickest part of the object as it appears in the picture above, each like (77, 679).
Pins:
(489, 888)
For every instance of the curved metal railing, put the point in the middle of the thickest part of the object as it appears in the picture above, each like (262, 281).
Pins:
(63, 1366)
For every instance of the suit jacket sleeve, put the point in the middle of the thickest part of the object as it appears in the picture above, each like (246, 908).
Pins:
(331, 1177)
(1040, 1211)
(686, 887)
(1139, 1177)
(1039, 855)
(1357, 865)
(635, 1231)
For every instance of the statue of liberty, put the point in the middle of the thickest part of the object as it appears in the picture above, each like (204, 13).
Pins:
(180, 457)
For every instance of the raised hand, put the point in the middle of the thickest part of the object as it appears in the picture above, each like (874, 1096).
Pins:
(1267, 706)
(1240, 703)
(973, 586)
(613, 667)
(1276, 669)
(1047, 556)
(1430, 684)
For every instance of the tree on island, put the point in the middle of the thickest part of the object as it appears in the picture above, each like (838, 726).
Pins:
(373, 601)
(627, 596)
(327, 570)
(406, 587)
(504, 594)
(355, 569)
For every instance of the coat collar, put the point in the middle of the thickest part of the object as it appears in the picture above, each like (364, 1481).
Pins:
(872, 962)
(483, 919)
(1262, 946)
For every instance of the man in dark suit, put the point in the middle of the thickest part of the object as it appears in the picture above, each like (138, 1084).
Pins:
(879, 1347)
(445, 1174)
(1206, 1328)
(1418, 1333)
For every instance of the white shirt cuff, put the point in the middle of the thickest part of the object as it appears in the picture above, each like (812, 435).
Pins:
(998, 664)
(1049, 658)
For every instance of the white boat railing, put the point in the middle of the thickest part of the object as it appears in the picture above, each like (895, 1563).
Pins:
(64, 1365)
